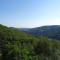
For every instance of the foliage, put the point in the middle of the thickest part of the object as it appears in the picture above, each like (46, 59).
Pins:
(15, 45)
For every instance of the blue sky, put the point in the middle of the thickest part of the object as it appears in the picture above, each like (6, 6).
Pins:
(29, 13)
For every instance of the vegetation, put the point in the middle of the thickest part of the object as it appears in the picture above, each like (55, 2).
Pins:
(52, 31)
(16, 45)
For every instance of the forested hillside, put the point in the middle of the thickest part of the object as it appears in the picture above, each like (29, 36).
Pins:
(52, 31)
(16, 45)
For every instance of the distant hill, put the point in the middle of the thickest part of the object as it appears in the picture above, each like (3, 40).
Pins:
(21, 29)
(24, 29)
(49, 31)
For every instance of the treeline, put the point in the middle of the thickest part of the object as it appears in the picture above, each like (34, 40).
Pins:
(15, 45)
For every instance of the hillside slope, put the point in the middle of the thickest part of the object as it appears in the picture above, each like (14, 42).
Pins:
(49, 31)
(15, 45)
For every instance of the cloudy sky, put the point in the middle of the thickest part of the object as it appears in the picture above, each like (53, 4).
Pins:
(29, 13)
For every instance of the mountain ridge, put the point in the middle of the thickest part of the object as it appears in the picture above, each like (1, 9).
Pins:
(51, 31)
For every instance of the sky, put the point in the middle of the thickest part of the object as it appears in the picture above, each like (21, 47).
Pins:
(29, 13)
